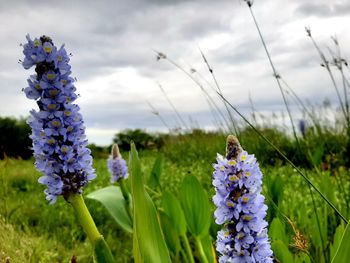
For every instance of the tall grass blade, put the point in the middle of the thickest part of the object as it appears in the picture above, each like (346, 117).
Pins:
(218, 89)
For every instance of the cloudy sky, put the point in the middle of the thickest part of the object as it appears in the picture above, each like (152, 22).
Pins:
(113, 45)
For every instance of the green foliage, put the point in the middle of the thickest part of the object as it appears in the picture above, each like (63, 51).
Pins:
(102, 252)
(343, 253)
(140, 138)
(22, 205)
(170, 234)
(154, 179)
(172, 208)
(337, 240)
(148, 236)
(14, 138)
(195, 204)
(281, 252)
(99, 152)
(111, 198)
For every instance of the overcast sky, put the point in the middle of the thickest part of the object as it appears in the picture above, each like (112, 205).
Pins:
(112, 43)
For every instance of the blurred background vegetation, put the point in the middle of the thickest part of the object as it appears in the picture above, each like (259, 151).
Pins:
(322, 146)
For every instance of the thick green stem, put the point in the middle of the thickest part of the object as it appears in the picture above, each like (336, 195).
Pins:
(201, 251)
(102, 251)
(84, 217)
(187, 248)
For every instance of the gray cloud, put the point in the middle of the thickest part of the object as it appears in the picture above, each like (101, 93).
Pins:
(323, 8)
(112, 44)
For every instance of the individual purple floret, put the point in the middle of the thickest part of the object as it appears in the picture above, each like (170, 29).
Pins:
(58, 131)
(240, 207)
(117, 165)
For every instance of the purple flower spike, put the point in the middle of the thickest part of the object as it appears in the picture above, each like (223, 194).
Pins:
(117, 165)
(240, 207)
(58, 131)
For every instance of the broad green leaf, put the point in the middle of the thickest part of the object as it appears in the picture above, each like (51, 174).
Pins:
(337, 239)
(195, 204)
(149, 238)
(277, 231)
(302, 258)
(281, 252)
(154, 179)
(208, 248)
(112, 199)
(343, 253)
(171, 236)
(102, 252)
(172, 208)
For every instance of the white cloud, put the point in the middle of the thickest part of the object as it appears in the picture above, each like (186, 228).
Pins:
(112, 44)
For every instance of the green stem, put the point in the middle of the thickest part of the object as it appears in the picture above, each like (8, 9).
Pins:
(126, 196)
(102, 251)
(187, 248)
(201, 251)
(84, 217)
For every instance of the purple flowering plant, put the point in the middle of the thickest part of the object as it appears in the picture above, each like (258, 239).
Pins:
(118, 170)
(117, 165)
(58, 133)
(240, 207)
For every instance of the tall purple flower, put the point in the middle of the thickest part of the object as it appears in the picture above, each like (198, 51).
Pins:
(240, 207)
(58, 131)
(117, 165)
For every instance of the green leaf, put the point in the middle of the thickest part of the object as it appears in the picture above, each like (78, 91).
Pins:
(302, 258)
(171, 236)
(195, 204)
(277, 231)
(281, 252)
(148, 235)
(172, 208)
(317, 155)
(111, 198)
(337, 239)
(343, 253)
(102, 252)
(208, 248)
(154, 180)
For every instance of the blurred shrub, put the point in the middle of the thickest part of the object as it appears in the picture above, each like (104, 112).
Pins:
(196, 145)
(267, 155)
(99, 152)
(142, 140)
(14, 138)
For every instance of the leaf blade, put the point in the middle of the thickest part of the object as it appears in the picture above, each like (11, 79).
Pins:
(147, 230)
(112, 199)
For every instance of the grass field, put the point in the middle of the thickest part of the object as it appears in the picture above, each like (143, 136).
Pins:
(31, 230)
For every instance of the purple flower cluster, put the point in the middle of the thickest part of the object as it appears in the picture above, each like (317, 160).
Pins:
(117, 165)
(240, 209)
(58, 133)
